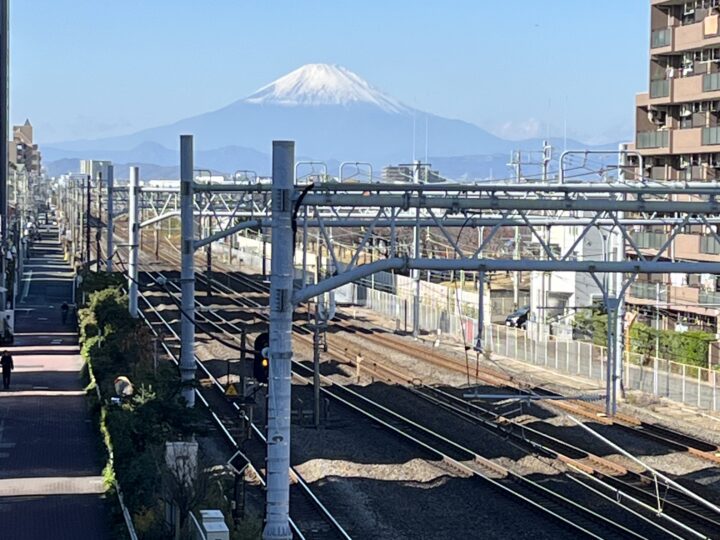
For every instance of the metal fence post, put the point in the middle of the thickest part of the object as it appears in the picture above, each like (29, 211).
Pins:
(281, 311)
(684, 371)
(655, 376)
(714, 390)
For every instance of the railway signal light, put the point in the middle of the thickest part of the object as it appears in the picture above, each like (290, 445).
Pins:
(261, 363)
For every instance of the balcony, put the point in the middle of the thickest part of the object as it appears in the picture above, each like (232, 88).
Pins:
(649, 240)
(711, 82)
(660, 89)
(697, 35)
(710, 299)
(688, 141)
(653, 139)
(661, 38)
(709, 245)
(649, 291)
(710, 136)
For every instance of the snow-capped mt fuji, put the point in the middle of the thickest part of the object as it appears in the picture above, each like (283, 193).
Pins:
(324, 84)
(331, 113)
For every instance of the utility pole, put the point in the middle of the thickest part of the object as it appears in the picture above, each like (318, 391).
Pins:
(87, 222)
(281, 312)
(110, 225)
(98, 230)
(187, 272)
(134, 241)
(316, 367)
(209, 259)
(516, 243)
(416, 254)
(4, 115)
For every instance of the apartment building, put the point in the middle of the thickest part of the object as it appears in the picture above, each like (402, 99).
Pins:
(94, 168)
(678, 136)
(22, 152)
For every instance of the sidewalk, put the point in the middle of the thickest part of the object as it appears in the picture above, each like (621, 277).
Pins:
(50, 458)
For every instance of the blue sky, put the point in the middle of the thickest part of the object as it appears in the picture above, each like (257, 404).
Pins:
(92, 68)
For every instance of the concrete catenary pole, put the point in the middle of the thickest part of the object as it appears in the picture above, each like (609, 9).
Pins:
(133, 240)
(187, 273)
(619, 278)
(98, 230)
(277, 526)
(416, 254)
(88, 213)
(110, 225)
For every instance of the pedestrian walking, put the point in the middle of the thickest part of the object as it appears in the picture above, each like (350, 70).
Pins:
(6, 362)
(64, 312)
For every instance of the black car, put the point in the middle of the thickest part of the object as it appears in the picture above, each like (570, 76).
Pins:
(518, 318)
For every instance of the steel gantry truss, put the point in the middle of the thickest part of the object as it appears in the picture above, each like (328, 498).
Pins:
(288, 209)
(446, 207)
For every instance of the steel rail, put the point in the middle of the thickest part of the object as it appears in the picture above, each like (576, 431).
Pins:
(470, 454)
(301, 481)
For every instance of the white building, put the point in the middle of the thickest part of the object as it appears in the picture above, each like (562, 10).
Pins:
(94, 168)
(555, 297)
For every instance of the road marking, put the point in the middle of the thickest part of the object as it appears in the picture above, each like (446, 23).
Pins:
(61, 485)
(26, 289)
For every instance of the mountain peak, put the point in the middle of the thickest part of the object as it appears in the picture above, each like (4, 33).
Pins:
(324, 84)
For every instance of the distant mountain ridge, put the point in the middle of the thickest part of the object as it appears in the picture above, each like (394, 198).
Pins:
(332, 113)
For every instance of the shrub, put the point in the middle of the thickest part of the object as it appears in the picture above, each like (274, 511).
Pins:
(113, 343)
(687, 347)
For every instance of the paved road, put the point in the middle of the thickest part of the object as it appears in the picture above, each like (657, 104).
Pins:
(50, 458)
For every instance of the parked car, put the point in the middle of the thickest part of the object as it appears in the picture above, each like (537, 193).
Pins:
(518, 318)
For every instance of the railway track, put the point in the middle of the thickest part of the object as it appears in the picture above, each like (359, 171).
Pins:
(309, 517)
(660, 434)
(607, 478)
(572, 515)
(455, 456)
(672, 506)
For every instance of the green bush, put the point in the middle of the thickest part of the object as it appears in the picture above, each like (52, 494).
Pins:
(97, 281)
(686, 347)
(113, 343)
